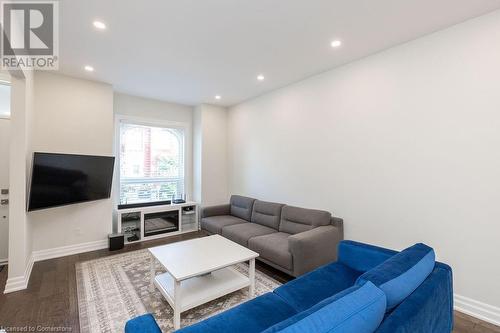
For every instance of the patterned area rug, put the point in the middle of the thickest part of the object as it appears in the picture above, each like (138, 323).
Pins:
(115, 289)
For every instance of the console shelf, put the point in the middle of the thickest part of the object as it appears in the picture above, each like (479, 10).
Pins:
(152, 222)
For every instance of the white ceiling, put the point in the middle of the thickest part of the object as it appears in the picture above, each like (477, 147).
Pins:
(187, 51)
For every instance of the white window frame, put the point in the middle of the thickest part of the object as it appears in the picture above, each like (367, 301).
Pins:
(5, 82)
(186, 151)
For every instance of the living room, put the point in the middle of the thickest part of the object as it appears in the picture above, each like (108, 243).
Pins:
(275, 166)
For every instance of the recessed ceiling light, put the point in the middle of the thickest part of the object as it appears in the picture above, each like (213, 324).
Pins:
(217, 97)
(336, 43)
(89, 68)
(260, 77)
(99, 25)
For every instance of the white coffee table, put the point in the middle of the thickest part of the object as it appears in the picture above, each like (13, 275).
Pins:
(198, 271)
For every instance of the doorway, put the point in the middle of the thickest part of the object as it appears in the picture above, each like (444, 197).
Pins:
(4, 170)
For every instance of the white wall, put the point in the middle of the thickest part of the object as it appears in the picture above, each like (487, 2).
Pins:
(30, 122)
(5, 96)
(162, 112)
(151, 108)
(20, 231)
(4, 183)
(210, 155)
(404, 145)
(72, 116)
(197, 155)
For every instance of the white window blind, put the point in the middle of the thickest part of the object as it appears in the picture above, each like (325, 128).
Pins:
(151, 163)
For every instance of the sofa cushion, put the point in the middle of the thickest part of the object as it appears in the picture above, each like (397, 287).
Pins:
(428, 309)
(214, 224)
(313, 287)
(267, 213)
(142, 324)
(241, 233)
(359, 309)
(401, 274)
(273, 247)
(250, 317)
(296, 219)
(241, 206)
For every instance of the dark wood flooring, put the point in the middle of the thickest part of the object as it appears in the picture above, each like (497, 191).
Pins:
(51, 300)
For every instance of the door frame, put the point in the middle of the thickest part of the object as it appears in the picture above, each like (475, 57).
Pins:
(5, 82)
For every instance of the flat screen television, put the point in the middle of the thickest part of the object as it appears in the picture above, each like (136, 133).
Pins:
(64, 179)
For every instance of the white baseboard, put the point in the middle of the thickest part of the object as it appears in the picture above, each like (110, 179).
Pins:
(20, 282)
(4, 261)
(64, 251)
(483, 311)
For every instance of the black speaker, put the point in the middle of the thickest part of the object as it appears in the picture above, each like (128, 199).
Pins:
(116, 241)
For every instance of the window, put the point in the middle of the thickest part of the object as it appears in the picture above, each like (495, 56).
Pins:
(4, 99)
(151, 163)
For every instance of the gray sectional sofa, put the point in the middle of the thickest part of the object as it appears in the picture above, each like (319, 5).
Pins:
(292, 239)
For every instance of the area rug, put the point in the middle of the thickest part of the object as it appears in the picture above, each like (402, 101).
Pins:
(114, 289)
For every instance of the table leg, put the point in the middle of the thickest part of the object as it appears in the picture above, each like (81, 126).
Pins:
(177, 305)
(251, 276)
(152, 272)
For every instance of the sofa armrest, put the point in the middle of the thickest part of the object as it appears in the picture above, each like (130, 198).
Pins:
(215, 210)
(428, 309)
(339, 223)
(142, 324)
(313, 248)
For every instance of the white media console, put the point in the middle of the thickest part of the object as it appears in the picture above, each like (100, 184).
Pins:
(152, 222)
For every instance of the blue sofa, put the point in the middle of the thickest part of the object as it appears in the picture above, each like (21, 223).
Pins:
(368, 289)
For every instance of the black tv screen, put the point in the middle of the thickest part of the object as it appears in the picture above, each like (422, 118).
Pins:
(63, 179)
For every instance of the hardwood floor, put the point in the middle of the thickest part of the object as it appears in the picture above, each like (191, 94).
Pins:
(468, 324)
(51, 300)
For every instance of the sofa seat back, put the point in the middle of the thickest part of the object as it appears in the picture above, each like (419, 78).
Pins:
(362, 257)
(267, 213)
(241, 207)
(295, 220)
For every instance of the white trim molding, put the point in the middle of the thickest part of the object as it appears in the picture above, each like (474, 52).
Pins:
(20, 282)
(70, 250)
(476, 309)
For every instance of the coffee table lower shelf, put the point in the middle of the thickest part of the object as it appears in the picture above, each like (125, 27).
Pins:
(201, 289)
